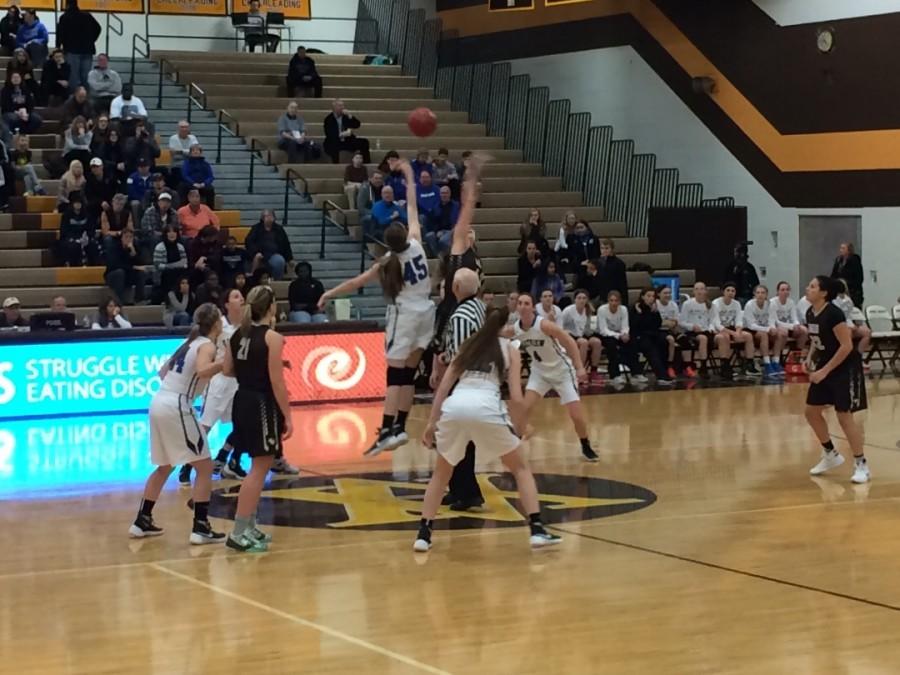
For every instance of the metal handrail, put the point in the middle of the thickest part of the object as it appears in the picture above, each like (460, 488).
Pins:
(162, 72)
(328, 207)
(135, 51)
(289, 177)
(254, 142)
(111, 29)
(192, 87)
(367, 239)
(222, 125)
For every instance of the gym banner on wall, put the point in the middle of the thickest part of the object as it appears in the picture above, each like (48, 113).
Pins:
(91, 377)
(190, 7)
(39, 5)
(292, 9)
(119, 6)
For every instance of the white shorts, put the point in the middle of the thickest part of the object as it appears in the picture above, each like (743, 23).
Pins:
(563, 383)
(477, 416)
(407, 330)
(217, 400)
(175, 434)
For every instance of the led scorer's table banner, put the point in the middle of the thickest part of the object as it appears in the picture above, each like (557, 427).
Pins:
(78, 377)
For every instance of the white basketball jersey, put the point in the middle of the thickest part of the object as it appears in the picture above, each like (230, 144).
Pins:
(547, 356)
(224, 338)
(416, 291)
(182, 377)
(472, 379)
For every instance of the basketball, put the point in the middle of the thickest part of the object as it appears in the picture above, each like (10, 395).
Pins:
(422, 122)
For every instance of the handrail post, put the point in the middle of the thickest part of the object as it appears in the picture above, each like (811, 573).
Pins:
(162, 67)
(287, 195)
(189, 105)
(252, 167)
(219, 141)
(107, 32)
(322, 244)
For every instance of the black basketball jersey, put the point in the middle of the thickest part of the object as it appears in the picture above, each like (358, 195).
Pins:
(468, 259)
(823, 342)
(251, 360)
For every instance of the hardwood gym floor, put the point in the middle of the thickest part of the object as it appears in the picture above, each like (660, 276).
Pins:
(698, 545)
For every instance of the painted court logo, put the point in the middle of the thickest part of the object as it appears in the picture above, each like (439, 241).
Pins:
(332, 368)
(7, 387)
(381, 501)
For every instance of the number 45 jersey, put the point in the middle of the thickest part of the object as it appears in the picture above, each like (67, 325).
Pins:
(416, 291)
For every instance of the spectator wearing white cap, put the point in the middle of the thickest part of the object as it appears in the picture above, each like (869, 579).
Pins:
(12, 315)
(99, 188)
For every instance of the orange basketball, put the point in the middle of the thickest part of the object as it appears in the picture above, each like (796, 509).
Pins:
(422, 122)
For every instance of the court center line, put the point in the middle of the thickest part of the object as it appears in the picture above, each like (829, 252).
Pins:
(325, 630)
(725, 568)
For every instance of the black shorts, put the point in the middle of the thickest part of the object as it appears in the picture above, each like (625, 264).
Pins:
(689, 340)
(258, 424)
(844, 388)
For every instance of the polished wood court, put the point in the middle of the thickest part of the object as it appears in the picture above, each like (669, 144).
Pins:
(744, 564)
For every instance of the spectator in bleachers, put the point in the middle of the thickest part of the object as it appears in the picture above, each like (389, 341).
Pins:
(428, 199)
(141, 145)
(547, 307)
(210, 290)
(292, 135)
(21, 63)
(58, 304)
(7, 175)
(576, 321)
(55, 80)
(195, 215)
(592, 282)
(356, 175)
(77, 244)
(105, 84)
(170, 261)
(239, 282)
(261, 276)
(534, 229)
(760, 319)
(12, 314)
(205, 254)
(612, 270)
(99, 189)
(181, 142)
(235, 261)
(670, 314)
(512, 304)
(645, 324)
(72, 180)
(77, 105)
(530, 262)
(113, 155)
(197, 174)
(728, 325)
(848, 266)
(302, 74)
(786, 315)
(395, 177)
(421, 163)
(157, 187)
(696, 322)
(581, 246)
(387, 211)
(547, 279)
(369, 195)
(115, 220)
(267, 244)
(154, 219)
(615, 334)
(180, 304)
(303, 296)
(9, 26)
(123, 271)
(33, 37)
(20, 158)
(561, 247)
(440, 232)
(138, 183)
(128, 109)
(859, 331)
(17, 105)
(76, 33)
(339, 125)
(109, 316)
(255, 33)
(77, 144)
(101, 132)
(445, 173)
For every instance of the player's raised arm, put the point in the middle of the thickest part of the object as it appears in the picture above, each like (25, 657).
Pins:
(412, 206)
(460, 242)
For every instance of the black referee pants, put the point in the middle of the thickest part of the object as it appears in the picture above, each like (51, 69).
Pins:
(463, 484)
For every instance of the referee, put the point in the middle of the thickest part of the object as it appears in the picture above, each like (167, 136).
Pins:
(466, 320)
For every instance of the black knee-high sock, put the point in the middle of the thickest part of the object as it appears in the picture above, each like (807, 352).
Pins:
(201, 511)
(400, 421)
(387, 421)
(146, 508)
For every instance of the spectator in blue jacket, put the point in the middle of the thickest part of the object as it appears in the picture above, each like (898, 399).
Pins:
(197, 174)
(548, 280)
(32, 36)
(139, 183)
(440, 228)
(386, 212)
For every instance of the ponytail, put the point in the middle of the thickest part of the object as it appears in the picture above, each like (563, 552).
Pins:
(246, 319)
(391, 274)
(259, 301)
(206, 317)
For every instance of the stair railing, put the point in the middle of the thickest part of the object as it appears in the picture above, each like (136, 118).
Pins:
(162, 73)
(196, 97)
(290, 176)
(142, 50)
(117, 29)
(222, 126)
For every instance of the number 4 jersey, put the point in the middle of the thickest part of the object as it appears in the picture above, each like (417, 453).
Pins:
(416, 291)
(182, 376)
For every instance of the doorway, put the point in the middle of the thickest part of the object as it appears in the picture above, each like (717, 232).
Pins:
(820, 237)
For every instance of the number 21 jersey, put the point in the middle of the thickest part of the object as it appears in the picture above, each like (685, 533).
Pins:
(416, 291)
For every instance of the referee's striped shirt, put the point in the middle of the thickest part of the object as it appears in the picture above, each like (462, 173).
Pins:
(466, 320)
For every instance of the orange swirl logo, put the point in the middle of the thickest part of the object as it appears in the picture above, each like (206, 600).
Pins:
(332, 368)
(342, 428)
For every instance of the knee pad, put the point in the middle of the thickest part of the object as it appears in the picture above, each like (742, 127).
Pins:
(409, 376)
(395, 376)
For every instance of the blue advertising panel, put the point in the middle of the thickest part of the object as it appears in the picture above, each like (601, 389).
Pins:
(81, 377)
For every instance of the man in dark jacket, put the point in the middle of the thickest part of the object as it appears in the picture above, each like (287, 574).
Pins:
(611, 271)
(742, 272)
(122, 270)
(267, 244)
(339, 126)
(302, 73)
(848, 266)
(141, 147)
(99, 189)
(76, 34)
(77, 105)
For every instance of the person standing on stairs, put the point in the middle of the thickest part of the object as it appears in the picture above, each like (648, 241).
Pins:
(76, 34)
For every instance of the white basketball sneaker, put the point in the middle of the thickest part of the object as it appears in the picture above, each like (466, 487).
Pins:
(830, 460)
(861, 471)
